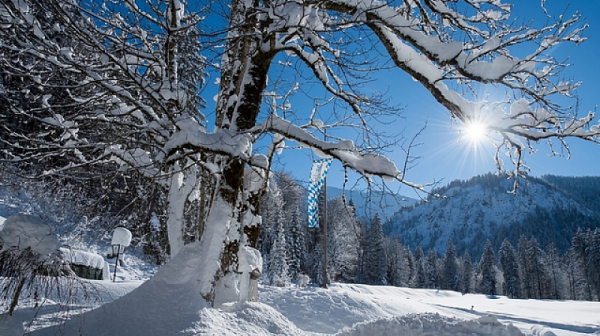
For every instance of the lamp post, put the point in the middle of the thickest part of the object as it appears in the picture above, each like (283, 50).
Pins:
(116, 249)
(120, 240)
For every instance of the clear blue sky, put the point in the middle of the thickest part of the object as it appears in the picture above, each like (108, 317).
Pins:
(443, 156)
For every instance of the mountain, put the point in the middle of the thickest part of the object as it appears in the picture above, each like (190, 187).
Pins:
(367, 204)
(550, 208)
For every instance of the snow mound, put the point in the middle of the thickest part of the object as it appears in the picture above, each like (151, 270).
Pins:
(23, 231)
(83, 258)
(431, 324)
(250, 318)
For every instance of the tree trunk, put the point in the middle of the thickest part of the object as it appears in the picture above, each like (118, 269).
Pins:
(234, 218)
(181, 184)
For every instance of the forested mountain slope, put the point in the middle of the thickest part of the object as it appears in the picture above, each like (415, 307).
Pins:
(368, 203)
(550, 209)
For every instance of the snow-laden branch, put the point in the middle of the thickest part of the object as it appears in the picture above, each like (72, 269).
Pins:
(344, 150)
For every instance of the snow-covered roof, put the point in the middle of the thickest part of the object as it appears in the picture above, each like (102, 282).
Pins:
(83, 258)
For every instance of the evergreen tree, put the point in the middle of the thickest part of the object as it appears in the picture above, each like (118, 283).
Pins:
(507, 256)
(278, 267)
(575, 276)
(488, 270)
(375, 267)
(410, 264)
(526, 282)
(296, 243)
(431, 269)
(554, 282)
(451, 275)
(535, 268)
(272, 215)
(343, 236)
(293, 202)
(466, 280)
(420, 280)
(594, 260)
(398, 270)
(580, 246)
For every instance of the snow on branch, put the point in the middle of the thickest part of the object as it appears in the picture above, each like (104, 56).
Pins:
(343, 150)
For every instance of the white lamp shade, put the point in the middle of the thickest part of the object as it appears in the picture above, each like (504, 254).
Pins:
(121, 236)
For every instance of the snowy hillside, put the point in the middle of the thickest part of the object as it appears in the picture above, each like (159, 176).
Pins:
(471, 211)
(368, 204)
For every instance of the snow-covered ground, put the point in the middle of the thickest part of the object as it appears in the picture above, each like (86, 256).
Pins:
(343, 309)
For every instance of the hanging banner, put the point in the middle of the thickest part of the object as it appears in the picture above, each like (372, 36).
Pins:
(317, 179)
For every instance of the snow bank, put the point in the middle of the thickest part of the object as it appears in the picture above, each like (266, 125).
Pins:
(246, 319)
(83, 258)
(2, 219)
(23, 231)
(432, 324)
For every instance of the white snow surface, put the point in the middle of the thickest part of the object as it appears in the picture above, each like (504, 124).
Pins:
(343, 309)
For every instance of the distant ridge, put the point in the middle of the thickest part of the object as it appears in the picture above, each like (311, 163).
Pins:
(550, 208)
(367, 205)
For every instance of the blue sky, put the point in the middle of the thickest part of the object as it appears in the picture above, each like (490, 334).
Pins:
(445, 158)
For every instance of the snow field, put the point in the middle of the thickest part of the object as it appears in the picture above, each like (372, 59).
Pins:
(341, 310)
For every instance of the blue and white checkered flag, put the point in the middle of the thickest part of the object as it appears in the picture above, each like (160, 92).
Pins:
(317, 179)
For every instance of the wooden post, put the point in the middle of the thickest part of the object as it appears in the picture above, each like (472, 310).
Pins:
(324, 226)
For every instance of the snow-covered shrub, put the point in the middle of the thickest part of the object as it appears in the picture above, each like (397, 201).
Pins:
(30, 249)
(302, 280)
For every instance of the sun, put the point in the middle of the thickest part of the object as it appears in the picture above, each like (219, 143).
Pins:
(475, 132)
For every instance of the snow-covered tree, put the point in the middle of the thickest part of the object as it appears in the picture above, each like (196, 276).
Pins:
(594, 260)
(451, 273)
(587, 248)
(295, 224)
(375, 259)
(533, 272)
(398, 265)
(432, 270)
(466, 277)
(576, 283)
(343, 241)
(295, 238)
(507, 256)
(487, 269)
(555, 281)
(420, 280)
(272, 215)
(140, 95)
(278, 267)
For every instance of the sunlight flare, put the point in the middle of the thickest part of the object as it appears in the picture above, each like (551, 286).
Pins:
(475, 132)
